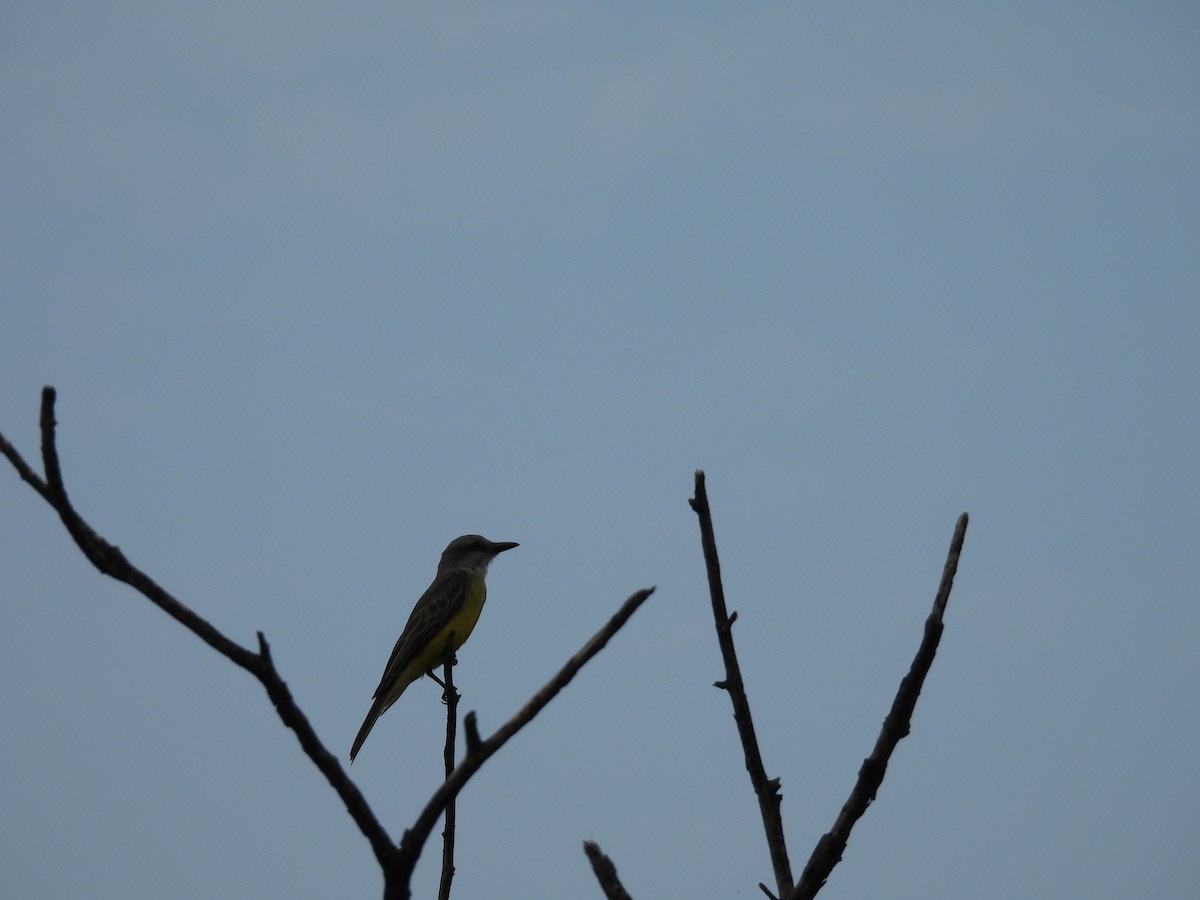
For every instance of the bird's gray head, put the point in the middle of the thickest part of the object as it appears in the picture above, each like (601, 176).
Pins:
(472, 551)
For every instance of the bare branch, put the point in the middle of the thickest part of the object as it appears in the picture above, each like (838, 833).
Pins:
(27, 474)
(397, 862)
(450, 696)
(398, 874)
(606, 872)
(896, 726)
(112, 562)
(765, 789)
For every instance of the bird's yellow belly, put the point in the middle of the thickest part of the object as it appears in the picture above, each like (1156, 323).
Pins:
(456, 631)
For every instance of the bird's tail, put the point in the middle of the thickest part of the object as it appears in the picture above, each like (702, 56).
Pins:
(377, 709)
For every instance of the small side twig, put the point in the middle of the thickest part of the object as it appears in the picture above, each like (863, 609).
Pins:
(450, 695)
(606, 872)
(829, 849)
(398, 875)
(765, 789)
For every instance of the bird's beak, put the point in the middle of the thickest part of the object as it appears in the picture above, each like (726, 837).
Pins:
(501, 546)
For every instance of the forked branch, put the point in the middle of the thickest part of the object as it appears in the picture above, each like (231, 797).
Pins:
(397, 862)
(112, 562)
(829, 849)
(398, 875)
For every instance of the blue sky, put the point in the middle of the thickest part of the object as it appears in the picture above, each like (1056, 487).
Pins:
(322, 288)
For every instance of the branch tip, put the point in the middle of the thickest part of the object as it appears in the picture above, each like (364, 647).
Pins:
(471, 727)
(54, 479)
(605, 871)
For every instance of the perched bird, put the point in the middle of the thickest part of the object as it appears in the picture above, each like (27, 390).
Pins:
(441, 620)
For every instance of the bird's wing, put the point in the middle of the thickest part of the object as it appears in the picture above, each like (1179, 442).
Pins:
(430, 614)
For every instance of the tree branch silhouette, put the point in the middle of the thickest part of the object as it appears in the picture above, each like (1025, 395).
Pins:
(396, 862)
(112, 562)
(765, 789)
(830, 847)
(398, 874)
(606, 872)
(450, 695)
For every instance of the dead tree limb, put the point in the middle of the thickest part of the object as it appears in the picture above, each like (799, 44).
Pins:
(450, 696)
(830, 847)
(112, 562)
(765, 789)
(398, 875)
(397, 862)
(606, 872)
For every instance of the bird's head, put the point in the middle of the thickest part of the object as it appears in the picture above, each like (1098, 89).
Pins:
(472, 551)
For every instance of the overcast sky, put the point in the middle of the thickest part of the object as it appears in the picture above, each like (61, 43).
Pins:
(322, 287)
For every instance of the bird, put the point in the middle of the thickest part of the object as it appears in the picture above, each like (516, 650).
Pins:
(441, 620)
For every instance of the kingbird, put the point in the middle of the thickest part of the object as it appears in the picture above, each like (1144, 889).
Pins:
(441, 621)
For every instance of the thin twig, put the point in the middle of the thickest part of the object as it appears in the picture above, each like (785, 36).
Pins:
(450, 695)
(765, 789)
(606, 872)
(27, 474)
(112, 562)
(830, 847)
(398, 875)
